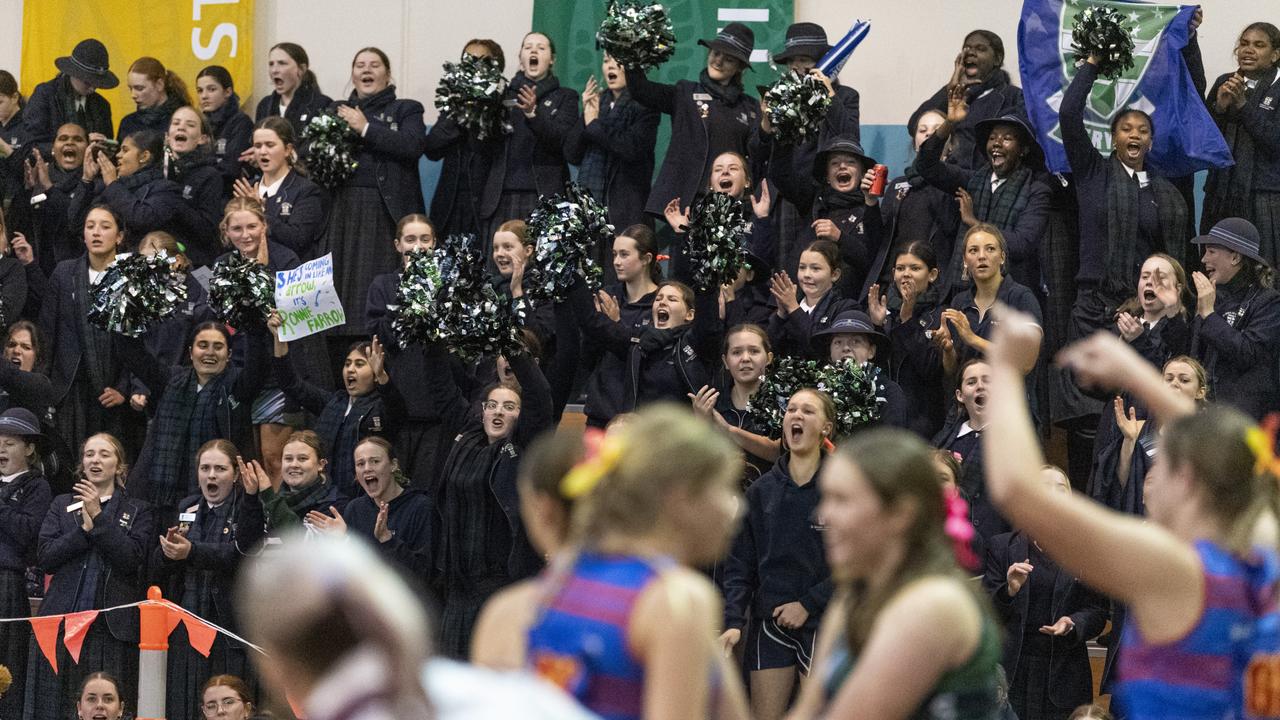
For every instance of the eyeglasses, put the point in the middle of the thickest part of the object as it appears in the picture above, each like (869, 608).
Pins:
(493, 405)
(226, 703)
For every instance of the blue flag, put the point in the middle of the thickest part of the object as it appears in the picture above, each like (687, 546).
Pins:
(1186, 138)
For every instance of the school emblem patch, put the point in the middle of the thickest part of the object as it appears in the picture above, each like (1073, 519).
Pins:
(1108, 97)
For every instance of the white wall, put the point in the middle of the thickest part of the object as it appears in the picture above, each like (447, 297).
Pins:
(907, 56)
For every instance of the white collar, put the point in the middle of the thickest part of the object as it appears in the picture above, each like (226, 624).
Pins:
(270, 191)
(11, 478)
(966, 428)
(1142, 174)
(805, 306)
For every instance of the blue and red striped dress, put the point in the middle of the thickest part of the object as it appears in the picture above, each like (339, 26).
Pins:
(580, 640)
(1228, 665)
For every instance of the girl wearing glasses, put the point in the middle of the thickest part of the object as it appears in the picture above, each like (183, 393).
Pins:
(483, 546)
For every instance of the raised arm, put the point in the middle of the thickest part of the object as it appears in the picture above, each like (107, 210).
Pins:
(659, 96)
(537, 413)
(1128, 558)
(1081, 155)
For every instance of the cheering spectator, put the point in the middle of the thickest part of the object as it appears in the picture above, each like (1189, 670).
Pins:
(232, 130)
(296, 208)
(295, 94)
(132, 183)
(190, 163)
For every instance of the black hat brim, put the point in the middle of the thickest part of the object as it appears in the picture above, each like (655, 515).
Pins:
(727, 49)
(103, 81)
(817, 52)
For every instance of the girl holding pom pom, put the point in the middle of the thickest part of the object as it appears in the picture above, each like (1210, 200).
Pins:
(709, 116)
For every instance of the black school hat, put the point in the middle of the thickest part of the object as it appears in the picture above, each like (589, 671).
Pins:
(735, 40)
(804, 40)
(89, 62)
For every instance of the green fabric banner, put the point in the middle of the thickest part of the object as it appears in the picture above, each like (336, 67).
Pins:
(572, 25)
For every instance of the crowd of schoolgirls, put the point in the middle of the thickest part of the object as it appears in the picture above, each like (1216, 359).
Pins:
(170, 458)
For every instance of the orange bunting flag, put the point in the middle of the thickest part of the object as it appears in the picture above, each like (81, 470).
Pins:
(76, 629)
(46, 632)
(171, 619)
(199, 634)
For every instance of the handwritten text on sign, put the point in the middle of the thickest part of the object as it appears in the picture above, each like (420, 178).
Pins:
(306, 299)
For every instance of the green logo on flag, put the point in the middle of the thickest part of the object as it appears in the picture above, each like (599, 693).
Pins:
(1148, 23)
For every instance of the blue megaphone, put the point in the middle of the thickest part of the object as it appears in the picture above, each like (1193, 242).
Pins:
(834, 60)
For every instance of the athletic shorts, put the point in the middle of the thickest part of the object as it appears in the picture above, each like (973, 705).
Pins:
(770, 645)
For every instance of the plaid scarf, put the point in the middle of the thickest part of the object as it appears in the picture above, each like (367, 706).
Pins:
(339, 428)
(185, 419)
(1122, 227)
(1000, 207)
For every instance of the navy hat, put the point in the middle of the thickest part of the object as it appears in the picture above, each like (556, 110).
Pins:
(1235, 234)
(89, 62)
(735, 40)
(804, 40)
(854, 322)
(840, 144)
(982, 131)
(20, 422)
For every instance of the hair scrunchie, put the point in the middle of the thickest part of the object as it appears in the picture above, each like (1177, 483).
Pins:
(600, 457)
(958, 528)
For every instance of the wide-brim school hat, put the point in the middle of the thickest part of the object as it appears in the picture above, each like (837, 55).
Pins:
(852, 322)
(1035, 154)
(20, 422)
(735, 40)
(89, 62)
(840, 144)
(1235, 234)
(804, 40)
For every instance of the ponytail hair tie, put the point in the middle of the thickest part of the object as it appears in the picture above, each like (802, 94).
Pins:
(601, 453)
(1261, 441)
(958, 528)
(663, 258)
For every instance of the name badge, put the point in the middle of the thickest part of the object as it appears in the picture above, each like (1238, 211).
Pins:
(187, 517)
(222, 146)
(77, 505)
(705, 97)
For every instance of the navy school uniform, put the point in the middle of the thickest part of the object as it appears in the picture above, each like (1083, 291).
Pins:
(420, 441)
(1015, 295)
(24, 502)
(481, 544)
(916, 364)
(1049, 676)
(661, 364)
(29, 390)
(13, 132)
(1121, 222)
(13, 289)
(297, 214)
(200, 184)
(606, 386)
(1250, 188)
(168, 339)
(384, 188)
(203, 583)
(753, 303)
(1105, 485)
(232, 135)
(186, 415)
(615, 158)
(707, 119)
(45, 218)
(965, 444)
(54, 103)
(455, 207)
(82, 359)
(146, 200)
(533, 159)
(860, 225)
(411, 517)
(792, 336)
(993, 98)
(307, 102)
(777, 558)
(1239, 344)
(1023, 230)
(155, 118)
(755, 466)
(91, 570)
(342, 420)
(912, 209)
